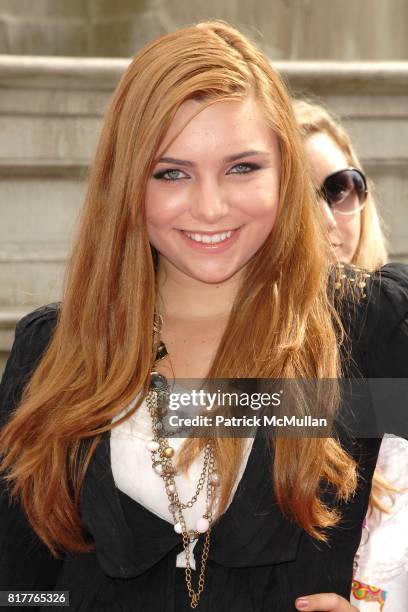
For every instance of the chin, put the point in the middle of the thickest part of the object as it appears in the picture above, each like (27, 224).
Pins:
(212, 277)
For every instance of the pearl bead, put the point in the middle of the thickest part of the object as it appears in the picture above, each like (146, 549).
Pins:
(202, 525)
(178, 528)
(158, 468)
(171, 488)
(153, 445)
(168, 452)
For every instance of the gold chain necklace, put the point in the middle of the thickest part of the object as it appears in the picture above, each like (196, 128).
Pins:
(162, 463)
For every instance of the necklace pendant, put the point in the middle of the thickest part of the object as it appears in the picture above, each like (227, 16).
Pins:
(192, 535)
(157, 382)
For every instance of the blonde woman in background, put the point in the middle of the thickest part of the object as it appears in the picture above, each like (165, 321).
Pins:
(355, 234)
(356, 237)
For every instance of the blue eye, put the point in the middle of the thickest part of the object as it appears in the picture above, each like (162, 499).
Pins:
(170, 174)
(244, 168)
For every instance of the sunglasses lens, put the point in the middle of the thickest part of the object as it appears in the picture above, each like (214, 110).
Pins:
(345, 191)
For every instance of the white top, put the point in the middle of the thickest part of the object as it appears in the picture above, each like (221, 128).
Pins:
(383, 559)
(134, 475)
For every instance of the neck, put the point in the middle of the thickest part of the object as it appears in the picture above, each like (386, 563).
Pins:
(183, 297)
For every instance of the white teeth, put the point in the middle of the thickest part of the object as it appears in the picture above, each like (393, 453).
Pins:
(209, 239)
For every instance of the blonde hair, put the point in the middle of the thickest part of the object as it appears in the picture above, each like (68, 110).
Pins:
(282, 323)
(371, 252)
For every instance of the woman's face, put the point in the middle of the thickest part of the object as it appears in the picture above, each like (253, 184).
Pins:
(344, 230)
(212, 198)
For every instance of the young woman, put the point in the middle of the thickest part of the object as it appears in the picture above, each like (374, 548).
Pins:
(200, 255)
(356, 237)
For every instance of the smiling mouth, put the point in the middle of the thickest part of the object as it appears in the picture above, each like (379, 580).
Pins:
(209, 237)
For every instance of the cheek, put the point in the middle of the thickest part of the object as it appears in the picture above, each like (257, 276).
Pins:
(349, 229)
(259, 202)
(163, 206)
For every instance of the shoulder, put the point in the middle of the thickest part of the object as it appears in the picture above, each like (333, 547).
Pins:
(387, 304)
(375, 314)
(388, 292)
(39, 316)
(371, 297)
(33, 334)
(34, 331)
(387, 322)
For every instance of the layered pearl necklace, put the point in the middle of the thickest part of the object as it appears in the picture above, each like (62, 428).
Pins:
(162, 464)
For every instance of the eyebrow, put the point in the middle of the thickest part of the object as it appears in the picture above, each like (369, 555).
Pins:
(228, 159)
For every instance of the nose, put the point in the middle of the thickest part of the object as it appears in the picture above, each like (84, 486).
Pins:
(209, 203)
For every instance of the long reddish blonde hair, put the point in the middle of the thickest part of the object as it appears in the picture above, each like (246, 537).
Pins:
(282, 324)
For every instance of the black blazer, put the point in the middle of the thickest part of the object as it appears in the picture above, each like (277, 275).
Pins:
(259, 561)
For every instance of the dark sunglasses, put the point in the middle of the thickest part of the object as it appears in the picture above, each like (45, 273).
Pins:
(345, 191)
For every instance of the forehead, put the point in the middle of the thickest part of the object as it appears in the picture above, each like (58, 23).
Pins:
(219, 126)
(325, 154)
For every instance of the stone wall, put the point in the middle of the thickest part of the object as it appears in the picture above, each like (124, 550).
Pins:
(50, 117)
(287, 29)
